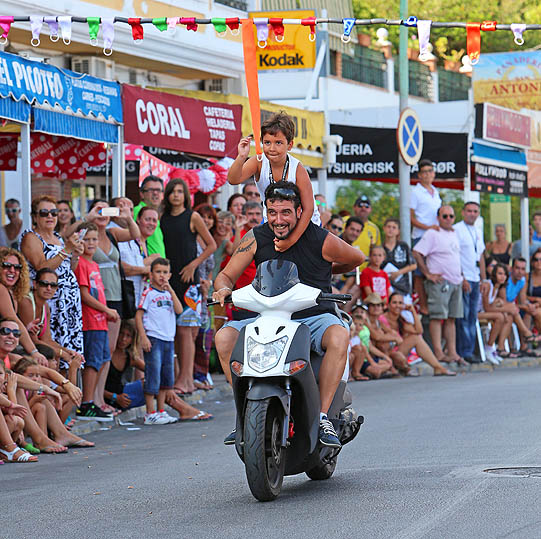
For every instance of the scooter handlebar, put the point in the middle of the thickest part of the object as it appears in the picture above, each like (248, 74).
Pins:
(338, 298)
(210, 301)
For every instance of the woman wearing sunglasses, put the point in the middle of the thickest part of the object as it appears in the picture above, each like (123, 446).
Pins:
(14, 285)
(34, 308)
(43, 247)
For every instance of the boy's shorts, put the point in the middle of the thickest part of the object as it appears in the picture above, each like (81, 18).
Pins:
(96, 348)
(159, 366)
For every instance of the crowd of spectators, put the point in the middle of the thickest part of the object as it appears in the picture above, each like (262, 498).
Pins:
(109, 313)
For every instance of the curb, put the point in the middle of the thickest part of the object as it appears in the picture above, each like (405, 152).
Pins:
(220, 391)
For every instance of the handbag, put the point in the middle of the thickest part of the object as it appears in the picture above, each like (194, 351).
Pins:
(128, 290)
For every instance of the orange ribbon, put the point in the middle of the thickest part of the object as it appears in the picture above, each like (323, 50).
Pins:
(252, 83)
(473, 31)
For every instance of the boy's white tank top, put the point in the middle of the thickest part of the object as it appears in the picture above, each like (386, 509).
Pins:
(264, 181)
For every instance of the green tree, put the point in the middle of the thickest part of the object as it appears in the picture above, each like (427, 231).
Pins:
(446, 40)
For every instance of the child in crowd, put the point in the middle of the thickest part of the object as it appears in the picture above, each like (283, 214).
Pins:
(277, 138)
(123, 393)
(369, 360)
(156, 324)
(373, 278)
(95, 317)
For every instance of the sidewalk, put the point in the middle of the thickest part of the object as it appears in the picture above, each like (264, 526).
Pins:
(221, 391)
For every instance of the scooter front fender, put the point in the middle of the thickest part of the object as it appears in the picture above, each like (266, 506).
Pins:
(262, 390)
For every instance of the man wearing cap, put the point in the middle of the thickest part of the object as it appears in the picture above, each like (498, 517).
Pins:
(370, 234)
(438, 257)
(317, 254)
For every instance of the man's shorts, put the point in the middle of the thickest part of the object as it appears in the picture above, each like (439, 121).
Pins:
(317, 324)
(444, 300)
(96, 348)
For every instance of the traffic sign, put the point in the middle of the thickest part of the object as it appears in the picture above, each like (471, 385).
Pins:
(409, 136)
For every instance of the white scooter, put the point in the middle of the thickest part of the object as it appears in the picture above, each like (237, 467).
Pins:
(275, 377)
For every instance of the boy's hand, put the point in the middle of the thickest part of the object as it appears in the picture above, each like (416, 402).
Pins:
(146, 344)
(244, 147)
(282, 245)
(112, 315)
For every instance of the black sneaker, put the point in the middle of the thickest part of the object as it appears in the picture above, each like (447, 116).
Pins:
(90, 412)
(231, 438)
(327, 434)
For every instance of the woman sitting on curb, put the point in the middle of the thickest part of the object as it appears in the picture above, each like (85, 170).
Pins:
(411, 335)
(130, 395)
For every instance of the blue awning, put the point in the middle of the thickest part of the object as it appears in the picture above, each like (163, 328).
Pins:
(18, 111)
(499, 155)
(56, 123)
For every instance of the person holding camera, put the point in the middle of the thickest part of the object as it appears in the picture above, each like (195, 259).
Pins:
(472, 261)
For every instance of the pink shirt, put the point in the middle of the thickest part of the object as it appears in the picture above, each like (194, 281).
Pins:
(442, 251)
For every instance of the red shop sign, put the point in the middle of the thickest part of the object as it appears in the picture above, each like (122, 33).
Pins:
(506, 126)
(180, 123)
(8, 151)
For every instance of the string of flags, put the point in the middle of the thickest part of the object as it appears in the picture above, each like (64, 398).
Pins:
(60, 27)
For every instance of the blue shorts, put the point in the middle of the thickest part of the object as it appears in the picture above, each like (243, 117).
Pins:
(159, 366)
(317, 324)
(96, 348)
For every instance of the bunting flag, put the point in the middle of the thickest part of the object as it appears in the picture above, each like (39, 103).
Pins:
(205, 180)
(277, 25)
(53, 28)
(36, 24)
(136, 28)
(219, 25)
(93, 29)
(65, 29)
(5, 26)
(423, 31)
(108, 31)
(473, 32)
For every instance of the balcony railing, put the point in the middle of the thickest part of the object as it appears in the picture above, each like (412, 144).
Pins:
(420, 79)
(237, 4)
(366, 66)
(453, 86)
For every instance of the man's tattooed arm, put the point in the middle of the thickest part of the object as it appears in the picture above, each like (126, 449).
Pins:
(246, 243)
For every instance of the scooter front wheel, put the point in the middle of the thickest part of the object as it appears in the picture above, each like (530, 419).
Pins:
(264, 456)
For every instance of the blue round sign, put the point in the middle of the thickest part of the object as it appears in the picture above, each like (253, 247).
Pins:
(409, 136)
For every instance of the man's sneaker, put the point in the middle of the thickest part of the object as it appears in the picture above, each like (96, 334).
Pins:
(90, 412)
(170, 418)
(155, 418)
(231, 438)
(327, 434)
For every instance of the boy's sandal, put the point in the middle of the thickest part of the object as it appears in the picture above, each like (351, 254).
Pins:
(30, 449)
(10, 455)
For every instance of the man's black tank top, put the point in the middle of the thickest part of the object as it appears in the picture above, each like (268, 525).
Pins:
(180, 248)
(307, 255)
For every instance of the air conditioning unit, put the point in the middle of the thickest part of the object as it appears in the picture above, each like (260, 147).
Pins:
(97, 67)
(220, 86)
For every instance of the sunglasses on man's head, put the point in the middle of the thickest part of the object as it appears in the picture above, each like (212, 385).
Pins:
(6, 331)
(283, 192)
(9, 265)
(46, 213)
(45, 284)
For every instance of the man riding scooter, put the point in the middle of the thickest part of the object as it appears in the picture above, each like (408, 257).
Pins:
(317, 255)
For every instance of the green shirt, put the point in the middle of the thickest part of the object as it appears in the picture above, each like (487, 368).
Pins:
(155, 242)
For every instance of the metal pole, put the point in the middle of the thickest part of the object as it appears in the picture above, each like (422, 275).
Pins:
(525, 230)
(322, 173)
(119, 167)
(403, 168)
(26, 176)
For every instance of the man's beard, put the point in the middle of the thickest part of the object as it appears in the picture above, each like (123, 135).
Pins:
(287, 233)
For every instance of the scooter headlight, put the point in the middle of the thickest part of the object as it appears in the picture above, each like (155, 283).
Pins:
(262, 357)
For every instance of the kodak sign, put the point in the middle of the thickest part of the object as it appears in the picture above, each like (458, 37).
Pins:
(296, 51)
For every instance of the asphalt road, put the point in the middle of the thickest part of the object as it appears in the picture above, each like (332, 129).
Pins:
(415, 470)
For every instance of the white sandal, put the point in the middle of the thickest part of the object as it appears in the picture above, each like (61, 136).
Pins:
(25, 457)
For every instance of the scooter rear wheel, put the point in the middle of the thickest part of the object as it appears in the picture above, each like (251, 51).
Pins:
(264, 456)
(323, 471)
